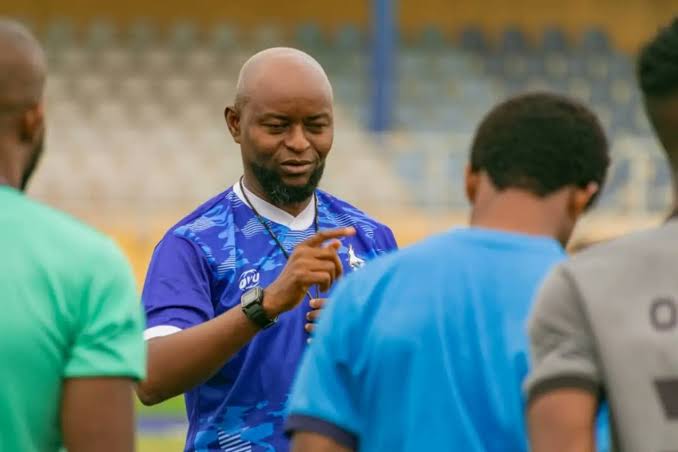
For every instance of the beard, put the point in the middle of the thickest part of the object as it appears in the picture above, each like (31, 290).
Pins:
(280, 193)
(33, 161)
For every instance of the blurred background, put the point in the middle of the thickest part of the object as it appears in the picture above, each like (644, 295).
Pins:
(137, 89)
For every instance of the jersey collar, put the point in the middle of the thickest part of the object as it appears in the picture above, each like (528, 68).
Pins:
(267, 210)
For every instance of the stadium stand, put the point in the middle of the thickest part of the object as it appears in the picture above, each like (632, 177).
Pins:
(137, 114)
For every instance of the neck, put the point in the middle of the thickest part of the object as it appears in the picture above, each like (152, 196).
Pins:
(10, 170)
(516, 211)
(293, 209)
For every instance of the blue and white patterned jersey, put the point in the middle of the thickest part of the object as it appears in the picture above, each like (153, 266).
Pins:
(201, 268)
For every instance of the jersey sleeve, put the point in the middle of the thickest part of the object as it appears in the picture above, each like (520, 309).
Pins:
(325, 394)
(108, 323)
(561, 341)
(388, 242)
(177, 291)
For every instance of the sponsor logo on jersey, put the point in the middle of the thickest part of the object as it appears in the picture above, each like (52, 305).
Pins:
(249, 279)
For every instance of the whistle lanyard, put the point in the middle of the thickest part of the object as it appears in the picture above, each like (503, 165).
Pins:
(275, 238)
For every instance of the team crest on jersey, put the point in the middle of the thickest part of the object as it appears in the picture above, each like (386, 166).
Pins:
(249, 279)
(354, 261)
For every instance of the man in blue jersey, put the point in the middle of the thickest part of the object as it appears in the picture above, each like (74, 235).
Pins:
(234, 288)
(426, 350)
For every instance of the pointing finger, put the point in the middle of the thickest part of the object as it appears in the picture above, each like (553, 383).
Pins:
(323, 236)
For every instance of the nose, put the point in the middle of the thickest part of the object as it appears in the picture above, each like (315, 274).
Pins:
(296, 139)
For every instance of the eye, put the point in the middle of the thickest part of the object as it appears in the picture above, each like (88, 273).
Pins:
(316, 127)
(275, 127)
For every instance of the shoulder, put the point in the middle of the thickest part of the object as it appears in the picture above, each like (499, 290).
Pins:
(343, 214)
(205, 222)
(203, 236)
(402, 267)
(626, 253)
(213, 212)
(62, 233)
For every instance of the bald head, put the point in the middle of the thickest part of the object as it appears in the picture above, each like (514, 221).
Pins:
(280, 66)
(284, 123)
(22, 67)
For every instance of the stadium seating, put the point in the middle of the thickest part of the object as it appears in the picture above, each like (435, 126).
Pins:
(117, 96)
(136, 134)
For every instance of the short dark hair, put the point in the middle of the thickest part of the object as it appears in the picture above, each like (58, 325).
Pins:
(541, 142)
(657, 64)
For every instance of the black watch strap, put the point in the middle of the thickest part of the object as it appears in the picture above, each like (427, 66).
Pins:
(252, 305)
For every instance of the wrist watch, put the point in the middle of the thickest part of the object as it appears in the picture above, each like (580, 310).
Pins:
(252, 305)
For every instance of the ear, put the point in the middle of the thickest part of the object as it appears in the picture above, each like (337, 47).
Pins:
(232, 116)
(471, 181)
(580, 199)
(32, 123)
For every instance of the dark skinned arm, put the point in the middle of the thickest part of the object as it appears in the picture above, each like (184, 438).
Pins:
(205, 348)
(563, 421)
(97, 414)
(314, 442)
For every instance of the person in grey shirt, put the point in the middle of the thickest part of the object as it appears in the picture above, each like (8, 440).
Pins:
(605, 324)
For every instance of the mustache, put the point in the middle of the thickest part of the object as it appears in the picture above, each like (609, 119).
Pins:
(280, 193)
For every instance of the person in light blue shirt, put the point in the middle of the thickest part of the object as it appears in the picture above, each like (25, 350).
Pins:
(426, 349)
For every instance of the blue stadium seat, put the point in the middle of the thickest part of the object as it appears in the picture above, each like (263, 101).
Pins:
(430, 92)
(514, 87)
(513, 41)
(101, 34)
(455, 167)
(556, 66)
(576, 67)
(349, 89)
(579, 88)
(600, 92)
(554, 40)
(623, 119)
(411, 61)
(412, 167)
(405, 115)
(353, 65)
(618, 177)
(449, 89)
(456, 119)
(431, 38)
(659, 195)
(538, 83)
(309, 36)
(516, 67)
(641, 122)
(621, 66)
(183, 37)
(59, 34)
(476, 90)
(472, 39)
(598, 67)
(595, 40)
(223, 38)
(141, 35)
(451, 63)
(662, 171)
(535, 64)
(349, 38)
(623, 93)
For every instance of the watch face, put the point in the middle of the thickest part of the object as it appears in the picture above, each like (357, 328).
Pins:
(250, 296)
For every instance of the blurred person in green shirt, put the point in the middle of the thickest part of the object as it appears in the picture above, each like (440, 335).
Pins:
(71, 343)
